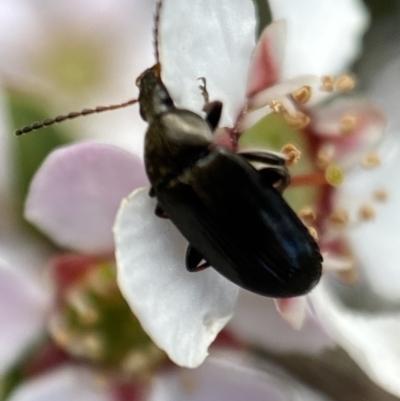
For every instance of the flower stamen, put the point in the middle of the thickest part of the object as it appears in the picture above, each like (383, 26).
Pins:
(298, 121)
(347, 124)
(345, 83)
(292, 154)
(303, 94)
(371, 160)
(327, 83)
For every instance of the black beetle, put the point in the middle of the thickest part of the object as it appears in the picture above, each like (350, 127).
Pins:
(232, 215)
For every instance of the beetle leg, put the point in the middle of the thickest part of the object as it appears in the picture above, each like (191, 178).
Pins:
(274, 171)
(193, 259)
(159, 212)
(276, 176)
(152, 193)
(212, 109)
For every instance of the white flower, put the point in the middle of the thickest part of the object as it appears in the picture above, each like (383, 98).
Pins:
(182, 311)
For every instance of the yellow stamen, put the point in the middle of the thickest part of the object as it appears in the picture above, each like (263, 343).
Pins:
(327, 83)
(307, 214)
(339, 218)
(347, 124)
(371, 160)
(345, 83)
(313, 232)
(303, 94)
(299, 121)
(381, 195)
(292, 154)
(367, 212)
(276, 106)
(325, 157)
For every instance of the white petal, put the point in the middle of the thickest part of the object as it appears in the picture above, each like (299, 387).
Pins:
(230, 376)
(375, 243)
(211, 39)
(67, 383)
(372, 340)
(23, 307)
(257, 321)
(181, 311)
(324, 37)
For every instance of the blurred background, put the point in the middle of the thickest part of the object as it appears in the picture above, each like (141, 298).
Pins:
(57, 57)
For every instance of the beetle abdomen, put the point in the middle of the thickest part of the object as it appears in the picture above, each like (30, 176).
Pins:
(244, 228)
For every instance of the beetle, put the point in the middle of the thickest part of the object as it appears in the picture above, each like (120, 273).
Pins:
(233, 216)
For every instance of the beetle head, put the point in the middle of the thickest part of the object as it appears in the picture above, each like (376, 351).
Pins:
(153, 96)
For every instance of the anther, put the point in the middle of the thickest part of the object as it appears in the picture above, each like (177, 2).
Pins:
(366, 212)
(276, 106)
(299, 121)
(313, 232)
(339, 218)
(371, 160)
(380, 195)
(345, 83)
(347, 124)
(327, 83)
(325, 156)
(292, 154)
(307, 214)
(303, 94)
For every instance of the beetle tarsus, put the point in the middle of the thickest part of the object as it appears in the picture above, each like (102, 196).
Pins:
(274, 172)
(213, 110)
(193, 259)
(159, 212)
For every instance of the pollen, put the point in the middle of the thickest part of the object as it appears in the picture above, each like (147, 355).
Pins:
(327, 83)
(339, 218)
(303, 94)
(345, 83)
(334, 175)
(371, 160)
(307, 214)
(299, 121)
(276, 106)
(380, 195)
(93, 346)
(325, 157)
(366, 212)
(313, 232)
(347, 124)
(292, 154)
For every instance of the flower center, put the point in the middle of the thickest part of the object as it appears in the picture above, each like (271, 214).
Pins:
(93, 322)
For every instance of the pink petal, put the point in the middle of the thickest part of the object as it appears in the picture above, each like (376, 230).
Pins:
(75, 195)
(230, 376)
(23, 307)
(211, 39)
(267, 59)
(67, 383)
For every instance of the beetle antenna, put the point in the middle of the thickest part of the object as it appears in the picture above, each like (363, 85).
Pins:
(156, 29)
(74, 114)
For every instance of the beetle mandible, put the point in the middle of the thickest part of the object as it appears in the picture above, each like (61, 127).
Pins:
(233, 216)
